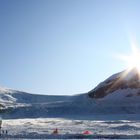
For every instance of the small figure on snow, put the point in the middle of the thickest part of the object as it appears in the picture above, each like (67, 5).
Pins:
(55, 131)
(0, 123)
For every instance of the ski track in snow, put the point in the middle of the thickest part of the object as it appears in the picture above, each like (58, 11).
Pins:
(43, 128)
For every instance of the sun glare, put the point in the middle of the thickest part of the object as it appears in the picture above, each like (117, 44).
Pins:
(132, 60)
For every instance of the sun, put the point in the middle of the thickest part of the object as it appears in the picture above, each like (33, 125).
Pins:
(132, 60)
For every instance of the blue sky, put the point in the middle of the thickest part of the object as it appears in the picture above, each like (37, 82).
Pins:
(64, 46)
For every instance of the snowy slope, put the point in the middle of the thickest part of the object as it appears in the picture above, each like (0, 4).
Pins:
(20, 104)
(25, 105)
(124, 81)
(119, 94)
(15, 97)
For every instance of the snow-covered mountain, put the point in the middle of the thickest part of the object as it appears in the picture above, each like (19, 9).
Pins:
(21, 104)
(120, 86)
(119, 94)
(127, 82)
(13, 97)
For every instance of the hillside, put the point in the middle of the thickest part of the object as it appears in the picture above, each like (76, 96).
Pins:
(119, 94)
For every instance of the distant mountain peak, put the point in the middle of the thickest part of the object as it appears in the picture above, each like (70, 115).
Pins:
(123, 80)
